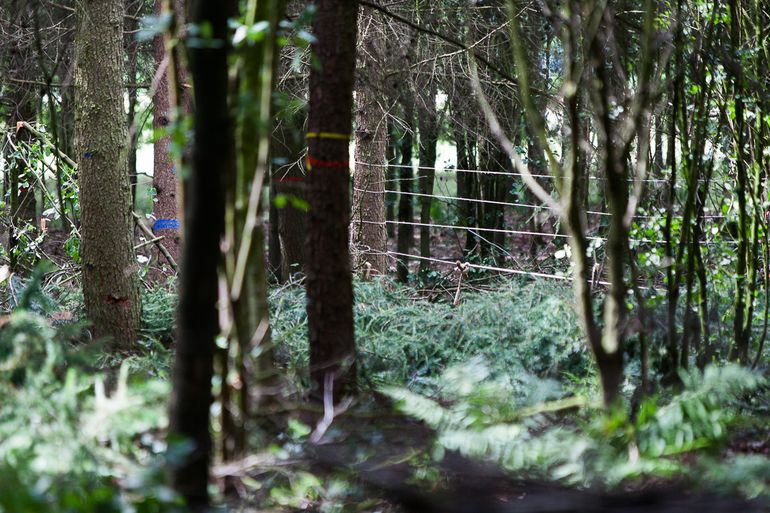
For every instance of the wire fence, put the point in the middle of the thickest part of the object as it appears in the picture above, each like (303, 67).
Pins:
(505, 203)
(476, 230)
(512, 174)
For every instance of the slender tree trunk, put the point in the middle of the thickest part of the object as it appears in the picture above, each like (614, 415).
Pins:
(536, 157)
(132, 51)
(672, 276)
(485, 211)
(369, 232)
(250, 341)
(289, 175)
(503, 187)
(329, 283)
(198, 321)
(290, 180)
(740, 349)
(164, 178)
(110, 282)
(465, 207)
(610, 358)
(405, 238)
(428, 126)
(274, 257)
(391, 177)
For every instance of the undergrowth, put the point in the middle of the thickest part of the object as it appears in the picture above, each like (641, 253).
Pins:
(534, 428)
(504, 376)
(72, 439)
(520, 327)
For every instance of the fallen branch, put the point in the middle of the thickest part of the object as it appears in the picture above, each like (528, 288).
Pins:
(147, 243)
(44, 139)
(156, 241)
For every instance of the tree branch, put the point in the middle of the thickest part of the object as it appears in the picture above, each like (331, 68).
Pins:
(451, 41)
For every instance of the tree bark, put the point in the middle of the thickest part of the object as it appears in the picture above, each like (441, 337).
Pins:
(110, 282)
(742, 335)
(405, 237)
(369, 232)
(428, 123)
(391, 174)
(289, 179)
(132, 53)
(329, 283)
(274, 257)
(164, 179)
(198, 321)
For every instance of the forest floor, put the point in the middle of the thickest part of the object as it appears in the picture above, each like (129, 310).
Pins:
(462, 405)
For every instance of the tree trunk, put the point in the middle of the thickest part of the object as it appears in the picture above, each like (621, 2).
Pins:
(329, 283)
(391, 178)
(289, 180)
(198, 321)
(274, 257)
(428, 123)
(610, 357)
(742, 336)
(110, 283)
(250, 342)
(164, 179)
(132, 51)
(369, 232)
(405, 237)
(466, 212)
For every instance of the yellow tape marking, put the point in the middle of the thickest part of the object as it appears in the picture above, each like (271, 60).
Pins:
(328, 135)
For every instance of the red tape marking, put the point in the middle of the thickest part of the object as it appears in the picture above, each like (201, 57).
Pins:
(313, 162)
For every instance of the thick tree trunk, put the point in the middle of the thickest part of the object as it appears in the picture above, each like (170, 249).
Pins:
(110, 282)
(369, 232)
(198, 324)
(329, 283)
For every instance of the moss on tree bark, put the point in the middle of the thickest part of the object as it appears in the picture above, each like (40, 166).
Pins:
(110, 281)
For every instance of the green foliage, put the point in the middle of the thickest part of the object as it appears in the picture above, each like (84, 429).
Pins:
(65, 443)
(159, 312)
(41, 165)
(282, 200)
(696, 418)
(404, 339)
(528, 425)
